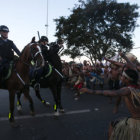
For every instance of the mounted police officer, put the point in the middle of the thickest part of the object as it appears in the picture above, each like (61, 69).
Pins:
(44, 46)
(7, 48)
(47, 51)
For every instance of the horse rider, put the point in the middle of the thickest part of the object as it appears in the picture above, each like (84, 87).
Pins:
(47, 52)
(49, 49)
(44, 48)
(7, 49)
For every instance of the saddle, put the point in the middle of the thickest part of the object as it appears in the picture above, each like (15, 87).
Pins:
(38, 74)
(6, 70)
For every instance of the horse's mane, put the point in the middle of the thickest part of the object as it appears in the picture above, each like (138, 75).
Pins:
(24, 49)
(16, 58)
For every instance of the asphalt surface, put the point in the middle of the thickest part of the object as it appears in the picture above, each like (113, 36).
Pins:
(85, 119)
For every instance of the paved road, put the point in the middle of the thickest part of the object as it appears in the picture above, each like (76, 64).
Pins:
(85, 119)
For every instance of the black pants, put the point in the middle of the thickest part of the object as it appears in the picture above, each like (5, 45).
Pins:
(4, 66)
(36, 74)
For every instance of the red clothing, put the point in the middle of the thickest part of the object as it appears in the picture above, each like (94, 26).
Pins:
(79, 86)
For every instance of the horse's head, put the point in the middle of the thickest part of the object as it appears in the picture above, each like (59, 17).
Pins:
(36, 53)
(33, 52)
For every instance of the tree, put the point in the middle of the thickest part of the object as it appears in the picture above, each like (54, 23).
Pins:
(98, 28)
(73, 53)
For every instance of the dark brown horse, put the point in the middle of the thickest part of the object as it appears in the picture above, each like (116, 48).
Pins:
(19, 78)
(53, 81)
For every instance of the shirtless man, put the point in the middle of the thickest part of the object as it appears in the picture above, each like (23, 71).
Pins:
(114, 84)
(114, 77)
(128, 128)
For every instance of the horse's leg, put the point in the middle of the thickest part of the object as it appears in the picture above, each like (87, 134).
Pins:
(11, 113)
(26, 94)
(11, 106)
(56, 106)
(59, 87)
(40, 98)
(19, 105)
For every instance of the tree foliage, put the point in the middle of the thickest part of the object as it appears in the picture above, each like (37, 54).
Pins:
(98, 28)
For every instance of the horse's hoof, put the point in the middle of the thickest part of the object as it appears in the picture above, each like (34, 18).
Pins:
(32, 113)
(14, 125)
(47, 104)
(76, 98)
(19, 107)
(62, 111)
(56, 114)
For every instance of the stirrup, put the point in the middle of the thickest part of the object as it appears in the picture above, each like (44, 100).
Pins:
(37, 86)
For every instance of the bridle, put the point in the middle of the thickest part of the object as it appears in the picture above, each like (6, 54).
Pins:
(37, 53)
(34, 55)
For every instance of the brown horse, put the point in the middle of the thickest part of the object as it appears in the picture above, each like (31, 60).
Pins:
(19, 78)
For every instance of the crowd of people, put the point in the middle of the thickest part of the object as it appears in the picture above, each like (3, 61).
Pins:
(82, 75)
(78, 75)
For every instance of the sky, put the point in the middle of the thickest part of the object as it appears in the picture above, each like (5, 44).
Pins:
(25, 17)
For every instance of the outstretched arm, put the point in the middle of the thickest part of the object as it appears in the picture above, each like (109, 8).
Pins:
(121, 92)
(114, 62)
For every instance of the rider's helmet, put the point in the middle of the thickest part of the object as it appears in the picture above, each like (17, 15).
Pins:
(43, 38)
(4, 28)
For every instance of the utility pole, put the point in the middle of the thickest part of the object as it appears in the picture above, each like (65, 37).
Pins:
(46, 25)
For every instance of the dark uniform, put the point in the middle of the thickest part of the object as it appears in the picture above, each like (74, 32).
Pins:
(45, 51)
(38, 73)
(43, 45)
(7, 48)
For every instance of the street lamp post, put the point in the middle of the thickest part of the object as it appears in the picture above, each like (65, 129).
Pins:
(46, 25)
